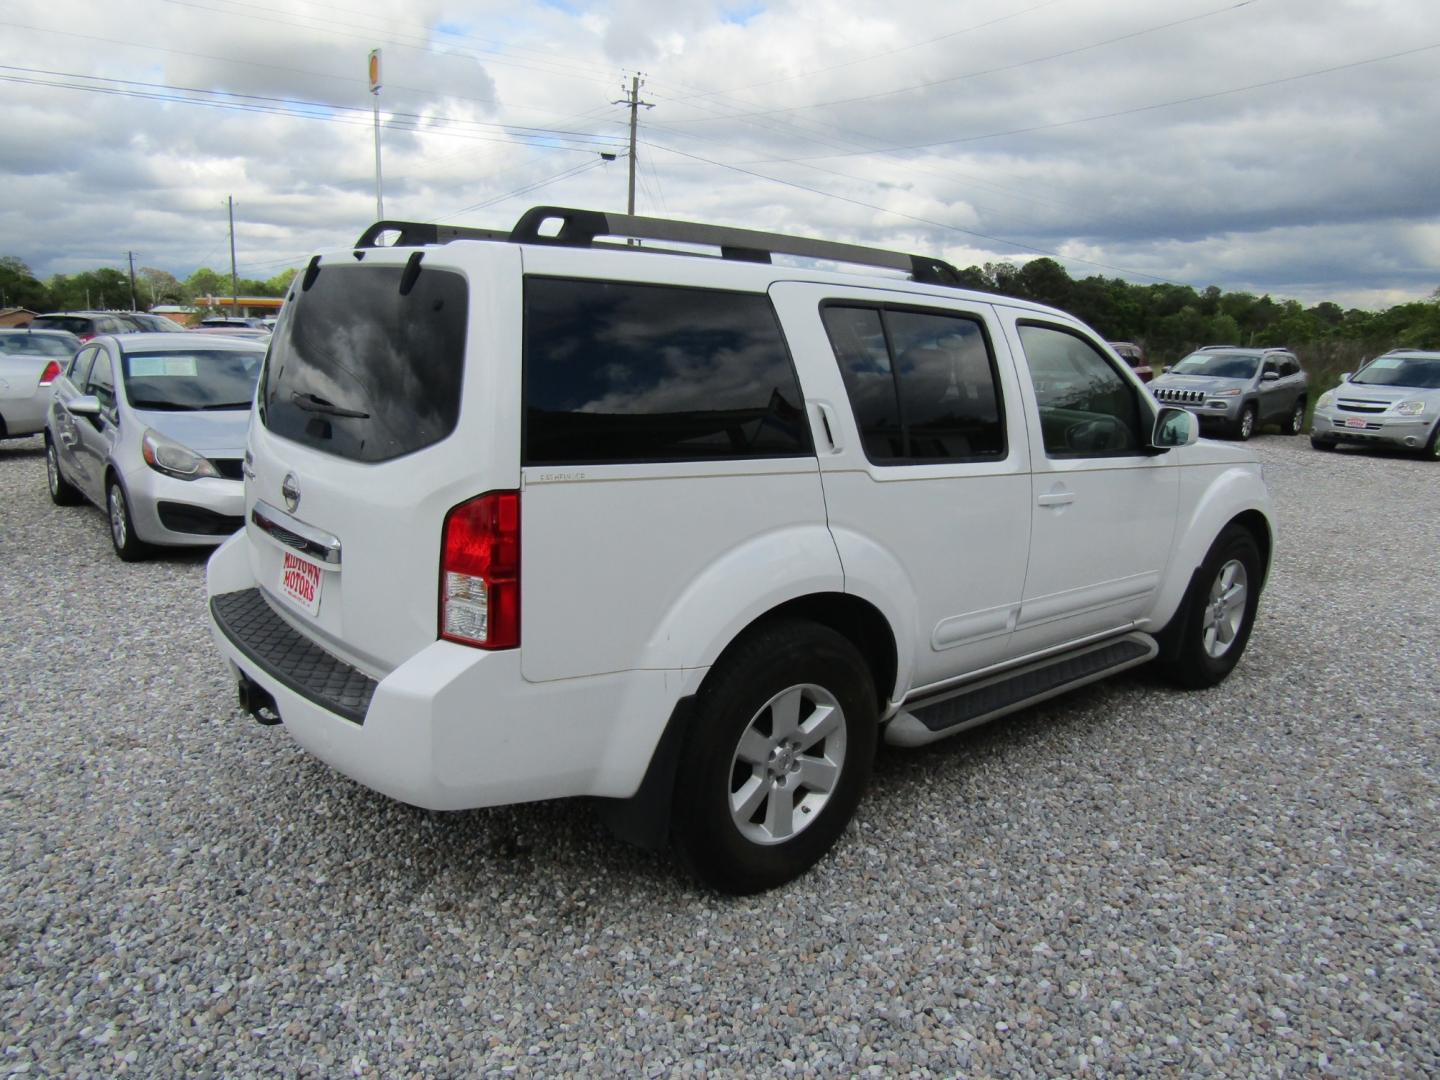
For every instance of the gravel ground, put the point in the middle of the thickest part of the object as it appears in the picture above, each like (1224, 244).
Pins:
(1128, 881)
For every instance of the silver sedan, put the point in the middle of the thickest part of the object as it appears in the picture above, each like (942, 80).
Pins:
(151, 428)
(30, 361)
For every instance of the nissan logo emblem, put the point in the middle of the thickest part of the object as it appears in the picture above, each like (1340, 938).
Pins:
(290, 490)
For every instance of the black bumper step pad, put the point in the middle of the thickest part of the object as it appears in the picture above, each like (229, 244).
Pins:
(984, 700)
(276, 648)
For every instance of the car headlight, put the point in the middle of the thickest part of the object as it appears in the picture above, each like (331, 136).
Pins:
(167, 456)
(1409, 408)
(1326, 400)
(1232, 392)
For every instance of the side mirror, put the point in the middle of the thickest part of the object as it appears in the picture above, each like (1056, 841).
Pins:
(1175, 427)
(1270, 376)
(1347, 376)
(85, 405)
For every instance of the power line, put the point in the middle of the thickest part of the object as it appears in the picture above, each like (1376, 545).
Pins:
(909, 217)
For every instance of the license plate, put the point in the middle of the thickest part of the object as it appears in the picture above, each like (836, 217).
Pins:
(300, 582)
(1349, 422)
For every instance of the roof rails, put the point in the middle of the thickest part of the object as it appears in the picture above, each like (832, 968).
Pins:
(1245, 348)
(582, 228)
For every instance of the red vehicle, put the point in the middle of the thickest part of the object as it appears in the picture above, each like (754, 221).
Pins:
(1135, 356)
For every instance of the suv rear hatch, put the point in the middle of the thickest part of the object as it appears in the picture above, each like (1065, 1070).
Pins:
(353, 460)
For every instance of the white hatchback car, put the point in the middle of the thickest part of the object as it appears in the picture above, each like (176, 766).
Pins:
(150, 427)
(539, 514)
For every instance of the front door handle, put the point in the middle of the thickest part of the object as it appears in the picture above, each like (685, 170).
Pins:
(1057, 498)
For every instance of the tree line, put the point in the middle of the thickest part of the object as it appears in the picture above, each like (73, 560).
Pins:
(109, 289)
(1170, 321)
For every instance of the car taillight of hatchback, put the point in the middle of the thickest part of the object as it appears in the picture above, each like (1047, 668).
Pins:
(480, 572)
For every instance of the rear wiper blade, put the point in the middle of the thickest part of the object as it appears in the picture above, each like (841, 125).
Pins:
(315, 403)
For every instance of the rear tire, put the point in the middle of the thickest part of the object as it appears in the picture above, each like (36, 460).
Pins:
(127, 545)
(778, 753)
(1207, 636)
(1295, 422)
(62, 492)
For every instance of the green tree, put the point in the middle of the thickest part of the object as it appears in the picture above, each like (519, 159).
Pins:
(19, 287)
(159, 287)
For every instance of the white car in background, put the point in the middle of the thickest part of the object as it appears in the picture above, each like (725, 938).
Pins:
(30, 361)
(151, 428)
(1392, 401)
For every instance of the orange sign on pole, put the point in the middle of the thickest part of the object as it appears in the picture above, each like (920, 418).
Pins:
(374, 71)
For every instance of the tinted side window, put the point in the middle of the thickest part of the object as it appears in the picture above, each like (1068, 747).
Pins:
(921, 384)
(1086, 408)
(618, 372)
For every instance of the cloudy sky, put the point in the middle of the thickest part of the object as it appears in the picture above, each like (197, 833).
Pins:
(1281, 146)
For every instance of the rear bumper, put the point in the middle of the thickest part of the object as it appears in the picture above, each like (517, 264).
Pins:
(452, 727)
(24, 415)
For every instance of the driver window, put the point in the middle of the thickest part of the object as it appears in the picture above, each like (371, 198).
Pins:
(102, 381)
(1086, 408)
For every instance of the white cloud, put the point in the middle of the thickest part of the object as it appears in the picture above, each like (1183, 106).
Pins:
(1038, 135)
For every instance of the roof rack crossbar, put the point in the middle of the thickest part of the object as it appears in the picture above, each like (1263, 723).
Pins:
(424, 233)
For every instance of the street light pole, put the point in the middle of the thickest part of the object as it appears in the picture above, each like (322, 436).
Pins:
(375, 98)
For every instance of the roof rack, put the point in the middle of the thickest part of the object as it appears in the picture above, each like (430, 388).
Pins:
(582, 228)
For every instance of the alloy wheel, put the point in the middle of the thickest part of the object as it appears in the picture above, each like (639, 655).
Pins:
(1225, 609)
(119, 523)
(787, 764)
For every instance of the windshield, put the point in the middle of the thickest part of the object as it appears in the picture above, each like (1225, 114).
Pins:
(1417, 371)
(1217, 365)
(36, 345)
(184, 380)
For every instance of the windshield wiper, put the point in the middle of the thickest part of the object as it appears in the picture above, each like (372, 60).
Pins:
(317, 404)
(228, 405)
(165, 406)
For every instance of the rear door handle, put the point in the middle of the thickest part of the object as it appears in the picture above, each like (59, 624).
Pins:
(1057, 498)
(830, 422)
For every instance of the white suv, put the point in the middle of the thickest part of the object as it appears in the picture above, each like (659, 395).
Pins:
(532, 515)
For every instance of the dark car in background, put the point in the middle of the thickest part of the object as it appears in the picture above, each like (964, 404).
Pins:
(84, 324)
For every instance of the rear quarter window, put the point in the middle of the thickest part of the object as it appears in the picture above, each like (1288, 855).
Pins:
(618, 372)
(359, 370)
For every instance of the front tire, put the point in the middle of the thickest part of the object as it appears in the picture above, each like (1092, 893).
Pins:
(1205, 640)
(128, 546)
(1295, 422)
(1246, 425)
(62, 492)
(1432, 448)
(779, 751)
(1322, 444)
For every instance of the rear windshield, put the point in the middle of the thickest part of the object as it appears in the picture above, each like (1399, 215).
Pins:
(1218, 366)
(192, 379)
(75, 324)
(36, 345)
(358, 370)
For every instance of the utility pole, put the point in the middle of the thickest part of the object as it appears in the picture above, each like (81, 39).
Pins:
(134, 300)
(234, 277)
(633, 102)
(375, 98)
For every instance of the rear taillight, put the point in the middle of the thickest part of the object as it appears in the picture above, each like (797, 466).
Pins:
(480, 572)
(51, 373)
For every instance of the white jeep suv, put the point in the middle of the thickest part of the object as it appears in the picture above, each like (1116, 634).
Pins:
(539, 514)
